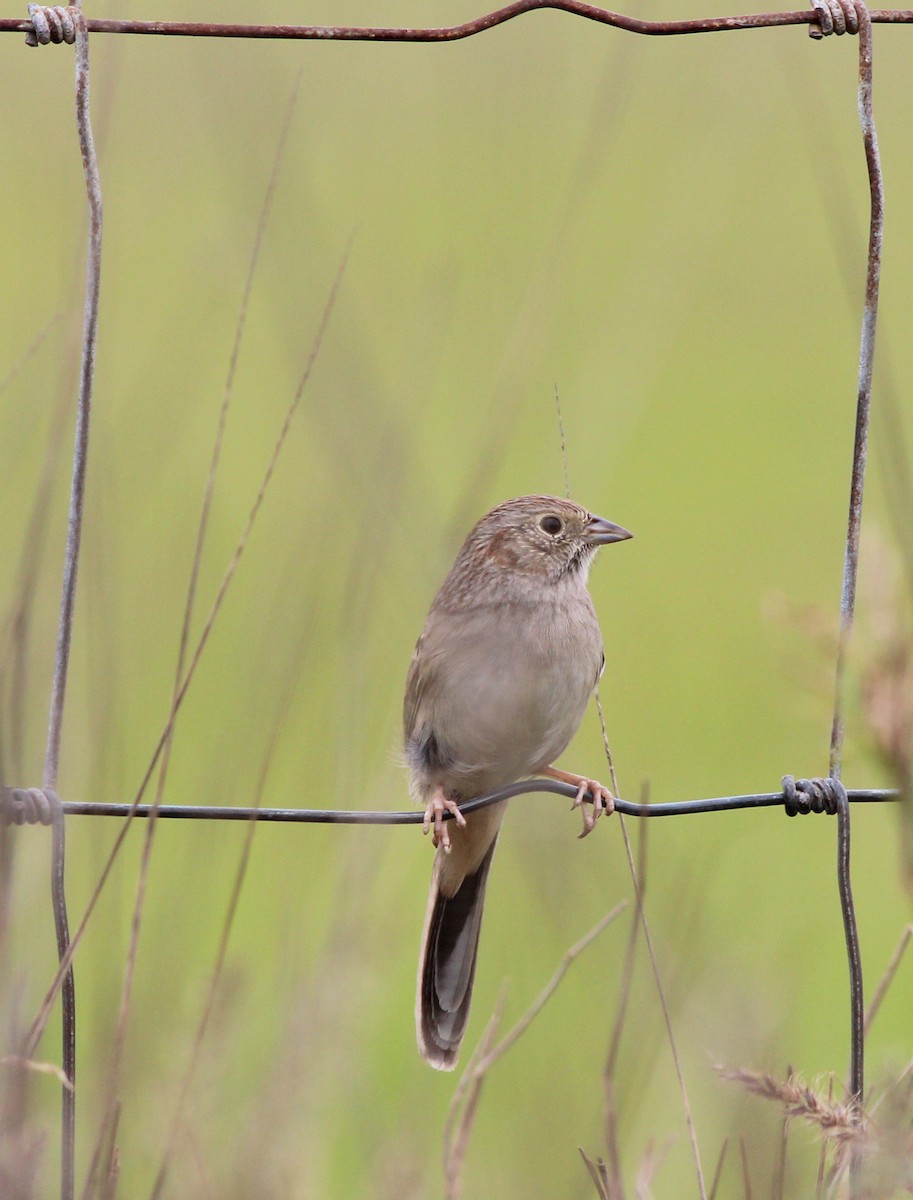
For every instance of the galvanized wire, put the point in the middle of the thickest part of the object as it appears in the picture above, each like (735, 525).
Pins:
(342, 816)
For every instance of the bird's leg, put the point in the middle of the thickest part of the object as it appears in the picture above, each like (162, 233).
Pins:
(438, 805)
(602, 799)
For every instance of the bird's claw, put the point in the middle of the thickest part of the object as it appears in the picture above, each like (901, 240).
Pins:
(589, 791)
(595, 793)
(434, 817)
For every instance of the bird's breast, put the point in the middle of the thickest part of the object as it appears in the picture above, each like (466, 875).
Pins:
(512, 687)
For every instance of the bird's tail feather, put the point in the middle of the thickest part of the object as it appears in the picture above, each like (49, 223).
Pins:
(448, 963)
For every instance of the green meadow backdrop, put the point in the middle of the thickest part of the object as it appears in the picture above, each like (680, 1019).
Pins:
(671, 233)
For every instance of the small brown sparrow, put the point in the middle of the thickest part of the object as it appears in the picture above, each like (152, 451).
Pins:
(498, 685)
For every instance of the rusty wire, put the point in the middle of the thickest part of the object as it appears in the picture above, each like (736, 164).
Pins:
(73, 28)
(861, 19)
(453, 33)
(858, 20)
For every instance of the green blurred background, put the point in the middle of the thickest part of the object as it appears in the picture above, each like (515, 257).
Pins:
(672, 232)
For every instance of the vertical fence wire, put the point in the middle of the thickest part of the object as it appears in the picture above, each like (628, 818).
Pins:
(68, 599)
(854, 522)
(864, 390)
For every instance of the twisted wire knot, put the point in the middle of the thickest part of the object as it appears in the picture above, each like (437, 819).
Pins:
(29, 806)
(52, 23)
(804, 796)
(835, 16)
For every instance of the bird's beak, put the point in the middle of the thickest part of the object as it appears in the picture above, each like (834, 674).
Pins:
(599, 532)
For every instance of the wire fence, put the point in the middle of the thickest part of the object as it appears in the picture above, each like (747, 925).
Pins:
(59, 24)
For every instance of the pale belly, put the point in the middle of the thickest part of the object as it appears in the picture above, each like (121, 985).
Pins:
(509, 702)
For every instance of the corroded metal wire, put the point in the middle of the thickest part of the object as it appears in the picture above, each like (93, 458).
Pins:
(51, 23)
(453, 33)
(864, 388)
(67, 24)
(858, 16)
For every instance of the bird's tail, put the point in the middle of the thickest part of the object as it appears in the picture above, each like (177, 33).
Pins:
(447, 964)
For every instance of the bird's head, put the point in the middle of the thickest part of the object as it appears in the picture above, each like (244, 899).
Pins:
(540, 537)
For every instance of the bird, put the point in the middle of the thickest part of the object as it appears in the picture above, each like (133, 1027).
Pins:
(500, 678)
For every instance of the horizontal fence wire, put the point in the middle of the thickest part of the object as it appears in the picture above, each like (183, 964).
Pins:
(339, 816)
(454, 33)
(29, 806)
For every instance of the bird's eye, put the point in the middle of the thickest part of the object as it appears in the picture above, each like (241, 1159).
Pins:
(552, 525)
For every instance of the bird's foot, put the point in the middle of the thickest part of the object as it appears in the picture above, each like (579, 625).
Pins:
(434, 816)
(589, 791)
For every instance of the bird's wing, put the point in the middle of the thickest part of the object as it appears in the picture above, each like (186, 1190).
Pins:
(420, 684)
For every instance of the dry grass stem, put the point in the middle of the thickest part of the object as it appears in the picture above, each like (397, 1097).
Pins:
(14, 675)
(31, 1064)
(667, 1020)
(886, 674)
(489, 1059)
(888, 978)
(113, 1073)
(779, 1183)
(649, 1165)
(610, 1134)
(41, 1017)
(648, 938)
(178, 1117)
(718, 1170)
(673, 1046)
(610, 1107)
(29, 352)
(746, 1174)
(463, 1106)
(563, 441)
(599, 1173)
(105, 1159)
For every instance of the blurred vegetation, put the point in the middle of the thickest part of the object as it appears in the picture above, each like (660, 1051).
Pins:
(672, 232)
